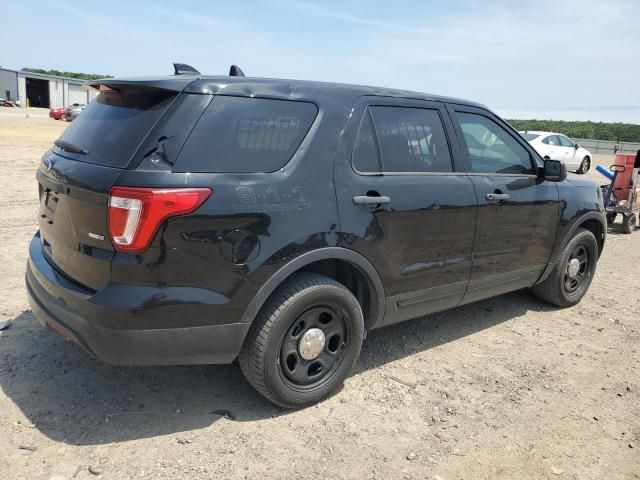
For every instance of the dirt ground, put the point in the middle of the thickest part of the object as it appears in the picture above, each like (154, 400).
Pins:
(508, 388)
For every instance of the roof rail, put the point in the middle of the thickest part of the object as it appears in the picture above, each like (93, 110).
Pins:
(235, 71)
(183, 69)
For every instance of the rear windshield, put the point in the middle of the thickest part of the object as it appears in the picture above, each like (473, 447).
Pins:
(112, 126)
(529, 136)
(243, 134)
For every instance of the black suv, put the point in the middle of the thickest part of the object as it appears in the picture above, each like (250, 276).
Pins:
(199, 219)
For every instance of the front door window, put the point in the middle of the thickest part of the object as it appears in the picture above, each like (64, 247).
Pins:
(491, 148)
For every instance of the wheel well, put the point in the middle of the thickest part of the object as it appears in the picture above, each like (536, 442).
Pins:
(595, 227)
(351, 277)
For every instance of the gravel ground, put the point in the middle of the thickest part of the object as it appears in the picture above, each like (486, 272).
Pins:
(505, 388)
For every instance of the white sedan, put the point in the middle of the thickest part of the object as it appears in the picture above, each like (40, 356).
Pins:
(560, 147)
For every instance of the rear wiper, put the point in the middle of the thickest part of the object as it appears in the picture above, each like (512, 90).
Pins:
(70, 147)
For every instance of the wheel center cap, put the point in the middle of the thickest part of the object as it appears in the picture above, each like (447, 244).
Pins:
(573, 268)
(311, 344)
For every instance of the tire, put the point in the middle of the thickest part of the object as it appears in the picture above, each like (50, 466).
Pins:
(559, 288)
(585, 165)
(272, 357)
(629, 223)
(611, 218)
(64, 117)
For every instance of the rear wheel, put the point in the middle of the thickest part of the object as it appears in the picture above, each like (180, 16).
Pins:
(573, 272)
(611, 218)
(629, 223)
(304, 342)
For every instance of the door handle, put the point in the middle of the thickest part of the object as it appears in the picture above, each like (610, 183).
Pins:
(497, 197)
(370, 200)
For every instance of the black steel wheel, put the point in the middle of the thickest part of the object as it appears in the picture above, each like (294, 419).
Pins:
(577, 269)
(629, 223)
(313, 347)
(304, 342)
(572, 273)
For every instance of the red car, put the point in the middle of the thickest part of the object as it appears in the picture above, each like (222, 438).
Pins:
(63, 113)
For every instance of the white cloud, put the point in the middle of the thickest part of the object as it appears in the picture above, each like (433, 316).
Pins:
(551, 53)
(316, 10)
(527, 54)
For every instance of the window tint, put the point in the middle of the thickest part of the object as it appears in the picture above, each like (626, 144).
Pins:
(241, 135)
(551, 140)
(565, 142)
(112, 126)
(491, 148)
(365, 153)
(411, 139)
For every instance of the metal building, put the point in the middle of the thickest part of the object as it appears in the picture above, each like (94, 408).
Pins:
(45, 91)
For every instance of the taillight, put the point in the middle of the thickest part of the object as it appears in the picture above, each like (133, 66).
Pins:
(136, 213)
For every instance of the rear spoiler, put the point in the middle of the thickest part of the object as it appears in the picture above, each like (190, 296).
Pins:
(173, 84)
(183, 75)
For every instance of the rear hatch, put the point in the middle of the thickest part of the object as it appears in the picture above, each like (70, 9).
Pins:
(76, 175)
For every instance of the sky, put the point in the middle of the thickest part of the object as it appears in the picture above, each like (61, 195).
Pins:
(552, 59)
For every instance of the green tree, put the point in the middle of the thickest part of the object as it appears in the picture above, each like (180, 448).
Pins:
(58, 73)
(621, 132)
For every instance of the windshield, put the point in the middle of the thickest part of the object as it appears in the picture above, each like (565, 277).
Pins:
(529, 136)
(112, 126)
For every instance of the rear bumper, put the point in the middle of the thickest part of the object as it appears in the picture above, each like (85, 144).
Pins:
(70, 311)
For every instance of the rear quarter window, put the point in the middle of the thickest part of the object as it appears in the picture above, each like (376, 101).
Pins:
(246, 135)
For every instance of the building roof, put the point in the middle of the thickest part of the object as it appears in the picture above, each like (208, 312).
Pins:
(32, 74)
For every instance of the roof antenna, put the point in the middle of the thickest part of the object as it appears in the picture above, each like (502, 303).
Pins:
(236, 71)
(184, 69)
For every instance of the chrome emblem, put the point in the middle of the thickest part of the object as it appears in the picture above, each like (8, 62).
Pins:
(96, 236)
(48, 164)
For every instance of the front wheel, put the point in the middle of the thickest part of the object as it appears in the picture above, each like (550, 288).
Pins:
(573, 272)
(629, 223)
(304, 342)
(585, 165)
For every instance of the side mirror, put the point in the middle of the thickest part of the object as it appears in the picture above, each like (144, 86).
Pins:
(576, 146)
(554, 171)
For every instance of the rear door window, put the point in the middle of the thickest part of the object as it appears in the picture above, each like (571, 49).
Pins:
(243, 135)
(365, 154)
(410, 139)
(113, 125)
